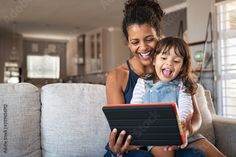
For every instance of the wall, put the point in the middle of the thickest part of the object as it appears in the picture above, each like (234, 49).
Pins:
(171, 22)
(197, 19)
(116, 51)
(6, 42)
(197, 16)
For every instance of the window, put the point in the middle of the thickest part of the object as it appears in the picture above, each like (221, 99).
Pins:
(43, 66)
(226, 57)
(11, 72)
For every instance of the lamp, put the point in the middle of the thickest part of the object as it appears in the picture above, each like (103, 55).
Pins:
(13, 54)
(12, 72)
(198, 56)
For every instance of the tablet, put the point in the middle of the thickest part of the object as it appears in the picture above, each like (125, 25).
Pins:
(149, 124)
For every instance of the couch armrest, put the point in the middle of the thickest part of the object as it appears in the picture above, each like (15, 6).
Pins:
(225, 133)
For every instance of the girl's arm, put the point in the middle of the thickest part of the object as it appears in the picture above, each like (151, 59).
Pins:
(138, 92)
(185, 103)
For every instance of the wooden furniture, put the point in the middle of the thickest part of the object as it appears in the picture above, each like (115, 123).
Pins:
(104, 50)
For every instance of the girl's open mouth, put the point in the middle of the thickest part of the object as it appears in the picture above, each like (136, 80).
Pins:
(166, 72)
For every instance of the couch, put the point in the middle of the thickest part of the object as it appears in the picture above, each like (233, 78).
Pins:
(66, 120)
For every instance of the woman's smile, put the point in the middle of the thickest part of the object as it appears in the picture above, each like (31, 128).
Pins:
(146, 55)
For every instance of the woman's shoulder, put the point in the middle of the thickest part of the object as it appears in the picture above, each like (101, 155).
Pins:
(118, 77)
(121, 70)
(115, 84)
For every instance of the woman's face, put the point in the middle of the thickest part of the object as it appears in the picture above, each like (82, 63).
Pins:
(142, 40)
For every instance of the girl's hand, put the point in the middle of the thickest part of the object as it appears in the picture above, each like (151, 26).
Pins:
(185, 133)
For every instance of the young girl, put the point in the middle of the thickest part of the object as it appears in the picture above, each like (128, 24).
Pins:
(172, 83)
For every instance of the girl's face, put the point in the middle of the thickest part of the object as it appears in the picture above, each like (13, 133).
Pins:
(168, 65)
(142, 40)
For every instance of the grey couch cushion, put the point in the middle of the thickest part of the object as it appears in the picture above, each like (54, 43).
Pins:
(73, 124)
(20, 120)
(206, 129)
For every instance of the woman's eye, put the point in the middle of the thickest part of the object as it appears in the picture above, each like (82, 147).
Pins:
(149, 39)
(134, 43)
(163, 58)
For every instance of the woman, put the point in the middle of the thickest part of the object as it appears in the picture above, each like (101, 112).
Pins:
(141, 27)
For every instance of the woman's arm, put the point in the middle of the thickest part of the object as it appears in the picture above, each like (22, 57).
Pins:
(114, 88)
(115, 82)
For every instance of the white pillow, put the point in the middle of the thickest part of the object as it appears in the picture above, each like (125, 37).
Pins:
(20, 120)
(73, 123)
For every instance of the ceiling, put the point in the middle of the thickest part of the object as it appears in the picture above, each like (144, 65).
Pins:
(63, 19)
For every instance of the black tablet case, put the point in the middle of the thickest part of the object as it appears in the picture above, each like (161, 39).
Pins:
(149, 124)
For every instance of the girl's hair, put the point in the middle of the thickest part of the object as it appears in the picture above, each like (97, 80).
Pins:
(181, 49)
(142, 12)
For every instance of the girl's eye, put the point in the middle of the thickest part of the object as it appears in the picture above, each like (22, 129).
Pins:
(177, 61)
(163, 58)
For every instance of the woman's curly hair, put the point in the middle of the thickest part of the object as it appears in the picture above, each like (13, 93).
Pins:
(142, 12)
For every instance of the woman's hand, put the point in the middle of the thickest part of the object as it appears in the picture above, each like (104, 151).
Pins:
(117, 146)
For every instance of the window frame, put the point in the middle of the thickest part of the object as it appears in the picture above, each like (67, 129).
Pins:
(222, 76)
